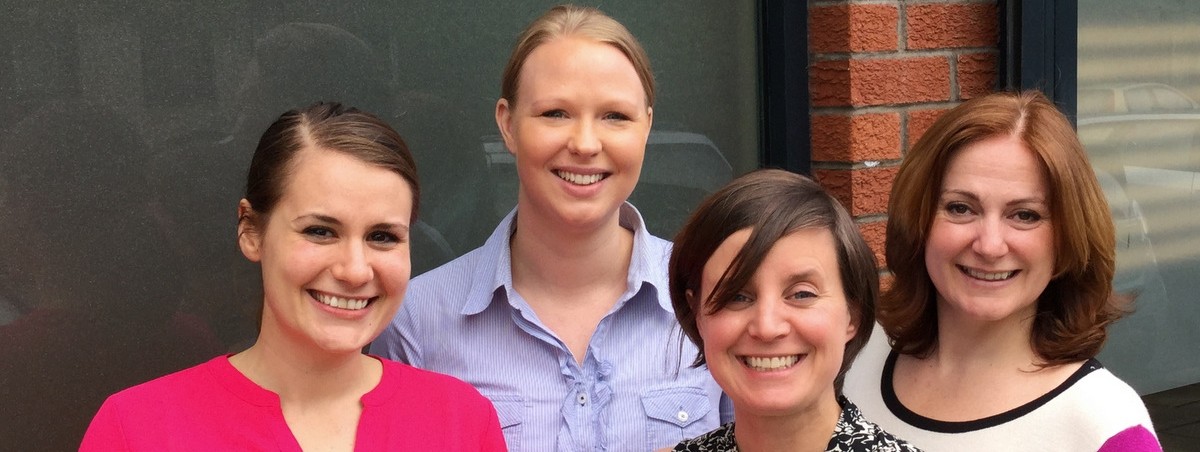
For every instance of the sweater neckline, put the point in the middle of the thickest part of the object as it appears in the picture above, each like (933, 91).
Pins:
(902, 412)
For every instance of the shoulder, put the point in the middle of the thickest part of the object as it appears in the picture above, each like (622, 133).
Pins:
(450, 274)
(172, 386)
(863, 380)
(151, 411)
(855, 433)
(1102, 401)
(431, 387)
(446, 289)
(719, 440)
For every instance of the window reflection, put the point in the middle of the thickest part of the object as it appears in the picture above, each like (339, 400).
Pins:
(1139, 81)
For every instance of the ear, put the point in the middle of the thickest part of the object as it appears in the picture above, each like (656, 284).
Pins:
(852, 327)
(503, 115)
(249, 237)
(650, 117)
(697, 311)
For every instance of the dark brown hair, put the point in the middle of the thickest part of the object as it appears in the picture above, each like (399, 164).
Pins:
(324, 126)
(1075, 309)
(570, 20)
(773, 204)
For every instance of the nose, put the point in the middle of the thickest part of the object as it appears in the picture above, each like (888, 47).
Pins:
(584, 139)
(352, 266)
(991, 240)
(769, 322)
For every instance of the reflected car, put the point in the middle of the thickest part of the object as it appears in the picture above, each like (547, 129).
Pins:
(1133, 98)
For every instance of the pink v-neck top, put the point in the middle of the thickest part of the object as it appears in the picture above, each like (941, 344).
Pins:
(214, 407)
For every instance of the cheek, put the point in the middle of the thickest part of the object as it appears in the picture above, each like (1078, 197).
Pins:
(827, 329)
(716, 332)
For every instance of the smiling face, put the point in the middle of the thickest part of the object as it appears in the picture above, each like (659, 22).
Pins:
(990, 251)
(778, 345)
(578, 131)
(334, 252)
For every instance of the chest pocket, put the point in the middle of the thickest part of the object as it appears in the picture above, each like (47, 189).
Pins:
(510, 408)
(675, 414)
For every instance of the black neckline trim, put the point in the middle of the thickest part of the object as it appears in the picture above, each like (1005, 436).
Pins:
(916, 420)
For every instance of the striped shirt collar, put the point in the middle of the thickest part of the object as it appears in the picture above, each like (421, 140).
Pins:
(648, 264)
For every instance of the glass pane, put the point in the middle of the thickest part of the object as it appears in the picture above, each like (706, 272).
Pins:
(126, 129)
(1139, 78)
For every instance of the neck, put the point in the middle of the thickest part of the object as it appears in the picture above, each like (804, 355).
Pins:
(550, 256)
(966, 344)
(300, 374)
(809, 430)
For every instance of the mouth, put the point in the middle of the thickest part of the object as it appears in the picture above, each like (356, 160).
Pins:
(580, 179)
(349, 304)
(770, 363)
(988, 276)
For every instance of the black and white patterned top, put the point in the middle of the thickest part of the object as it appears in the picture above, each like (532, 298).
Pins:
(853, 434)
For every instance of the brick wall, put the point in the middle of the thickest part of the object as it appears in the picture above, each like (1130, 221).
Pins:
(881, 71)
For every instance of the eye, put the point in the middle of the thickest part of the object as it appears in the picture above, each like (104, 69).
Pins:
(555, 114)
(319, 233)
(1027, 216)
(616, 116)
(739, 301)
(383, 238)
(802, 295)
(958, 208)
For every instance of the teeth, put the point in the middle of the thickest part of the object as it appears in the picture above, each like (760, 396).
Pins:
(992, 276)
(771, 363)
(579, 179)
(352, 304)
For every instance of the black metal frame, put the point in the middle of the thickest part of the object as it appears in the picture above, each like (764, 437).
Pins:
(783, 41)
(1040, 48)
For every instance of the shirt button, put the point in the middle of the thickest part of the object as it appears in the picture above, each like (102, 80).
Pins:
(581, 398)
(682, 416)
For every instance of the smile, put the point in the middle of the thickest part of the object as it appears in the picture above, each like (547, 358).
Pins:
(988, 276)
(351, 304)
(770, 363)
(580, 179)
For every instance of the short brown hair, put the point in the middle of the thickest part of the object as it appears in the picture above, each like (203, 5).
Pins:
(1074, 310)
(773, 204)
(570, 20)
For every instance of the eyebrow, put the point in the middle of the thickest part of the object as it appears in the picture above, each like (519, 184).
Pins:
(974, 197)
(809, 274)
(398, 227)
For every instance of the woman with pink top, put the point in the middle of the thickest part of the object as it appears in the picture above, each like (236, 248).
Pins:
(330, 198)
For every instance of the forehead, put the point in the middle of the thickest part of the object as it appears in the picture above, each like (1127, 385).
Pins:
(997, 165)
(580, 59)
(807, 251)
(316, 171)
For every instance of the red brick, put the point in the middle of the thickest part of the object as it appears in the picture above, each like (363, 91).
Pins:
(952, 25)
(829, 83)
(852, 28)
(919, 121)
(879, 81)
(857, 138)
(977, 74)
(875, 233)
(862, 191)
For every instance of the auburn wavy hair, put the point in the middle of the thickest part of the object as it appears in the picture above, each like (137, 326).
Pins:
(1076, 307)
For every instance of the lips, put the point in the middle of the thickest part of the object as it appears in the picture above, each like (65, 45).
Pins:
(988, 276)
(579, 178)
(770, 363)
(350, 304)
